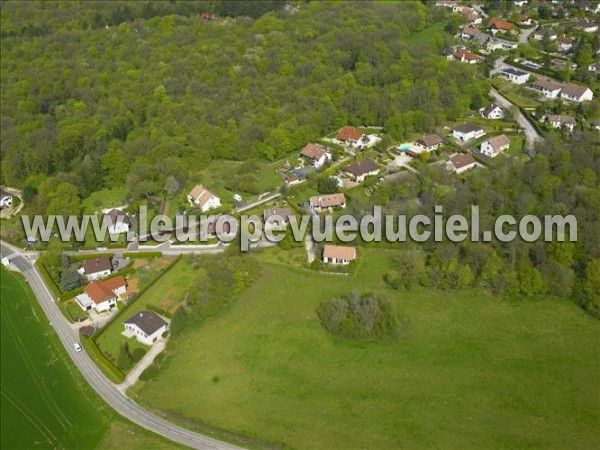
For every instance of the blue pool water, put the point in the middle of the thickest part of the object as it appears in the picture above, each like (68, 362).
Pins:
(404, 147)
(533, 65)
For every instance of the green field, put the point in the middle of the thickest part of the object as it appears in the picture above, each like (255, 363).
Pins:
(468, 370)
(45, 402)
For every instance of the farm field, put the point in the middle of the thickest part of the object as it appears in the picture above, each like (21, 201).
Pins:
(45, 403)
(467, 371)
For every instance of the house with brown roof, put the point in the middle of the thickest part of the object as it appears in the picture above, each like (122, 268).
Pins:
(102, 295)
(327, 202)
(560, 121)
(492, 112)
(494, 146)
(595, 124)
(359, 170)
(316, 155)
(460, 163)
(565, 43)
(587, 25)
(116, 220)
(501, 26)
(146, 326)
(337, 254)
(429, 142)
(95, 268)
(291, 180)
(576, 93)
(548, 88)
(203, 198)
(465, 56)
(350, 136)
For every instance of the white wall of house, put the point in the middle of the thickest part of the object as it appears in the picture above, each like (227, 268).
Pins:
(143, 337)
(467, 136)
(212, 203)
(97, 275)
(488, 150)
(336, 261)
(105, 305)
(587, 95)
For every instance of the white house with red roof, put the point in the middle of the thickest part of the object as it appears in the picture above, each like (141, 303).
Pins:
(203, 198)
(102, 295)
(337, 254)
(316, 155)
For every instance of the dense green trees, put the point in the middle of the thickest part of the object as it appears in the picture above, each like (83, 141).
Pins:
(164, 92)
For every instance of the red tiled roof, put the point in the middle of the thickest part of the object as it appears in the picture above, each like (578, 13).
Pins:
(501, 24)
(100, 291)
(349, 133)
(339, 252)
(313, 151)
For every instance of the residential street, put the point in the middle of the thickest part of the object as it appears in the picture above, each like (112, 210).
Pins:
(104, 387)
(531, 134)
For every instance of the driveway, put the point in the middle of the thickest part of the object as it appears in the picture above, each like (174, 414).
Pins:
(531, 134)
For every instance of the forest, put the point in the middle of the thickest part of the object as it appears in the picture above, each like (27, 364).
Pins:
(152, 91)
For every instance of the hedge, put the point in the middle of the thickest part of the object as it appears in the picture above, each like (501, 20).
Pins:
(48, 279)
(134, 255)
(109, 369)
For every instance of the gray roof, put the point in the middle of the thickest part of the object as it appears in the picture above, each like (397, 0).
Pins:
(147, 321)
(360, 168)
(515, 72)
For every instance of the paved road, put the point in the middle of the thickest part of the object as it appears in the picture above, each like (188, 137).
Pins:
(104, 387)
(525, 33)
(531, 134)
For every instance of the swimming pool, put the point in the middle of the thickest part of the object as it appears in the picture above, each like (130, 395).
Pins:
(532, 65)
(404, 147)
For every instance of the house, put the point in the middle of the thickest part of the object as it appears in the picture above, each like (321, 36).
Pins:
(565, 43)
(471, 15)
(548, 88)
(292, 180)
(520, 3)
(526, 20)
(429, 142)
(474, 35)
(465, 56)
(337, 254)
(576, 93)
(514, 75)
(6, 199)
(349, 136)
(269, 215)
(316, 155)
(595, 124)
(102, 295)
(541, 33)
(492, 112)
(467, 131)
(587, 26)
(359, 170)
(501, 44)
(494, 146)
(203, 198)
(96, 268)
(208, 227)
(594, 67)
(501, 26)
(460, 163)
(559, 121)
(117, 221)
(328, 201)
(146, 326)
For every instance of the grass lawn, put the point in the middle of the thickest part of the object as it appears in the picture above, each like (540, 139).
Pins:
(45, 401)
(428, 35)
(104, 198)
(166, 293)
(468, 371)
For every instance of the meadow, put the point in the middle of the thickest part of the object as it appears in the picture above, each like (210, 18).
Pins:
(467, 370)
(45, 402)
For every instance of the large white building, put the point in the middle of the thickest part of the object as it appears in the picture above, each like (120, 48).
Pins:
(203, 198)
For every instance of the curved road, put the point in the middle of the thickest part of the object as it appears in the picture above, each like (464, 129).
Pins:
(104, 387)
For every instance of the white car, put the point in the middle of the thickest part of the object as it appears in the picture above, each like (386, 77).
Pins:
(77, 347)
